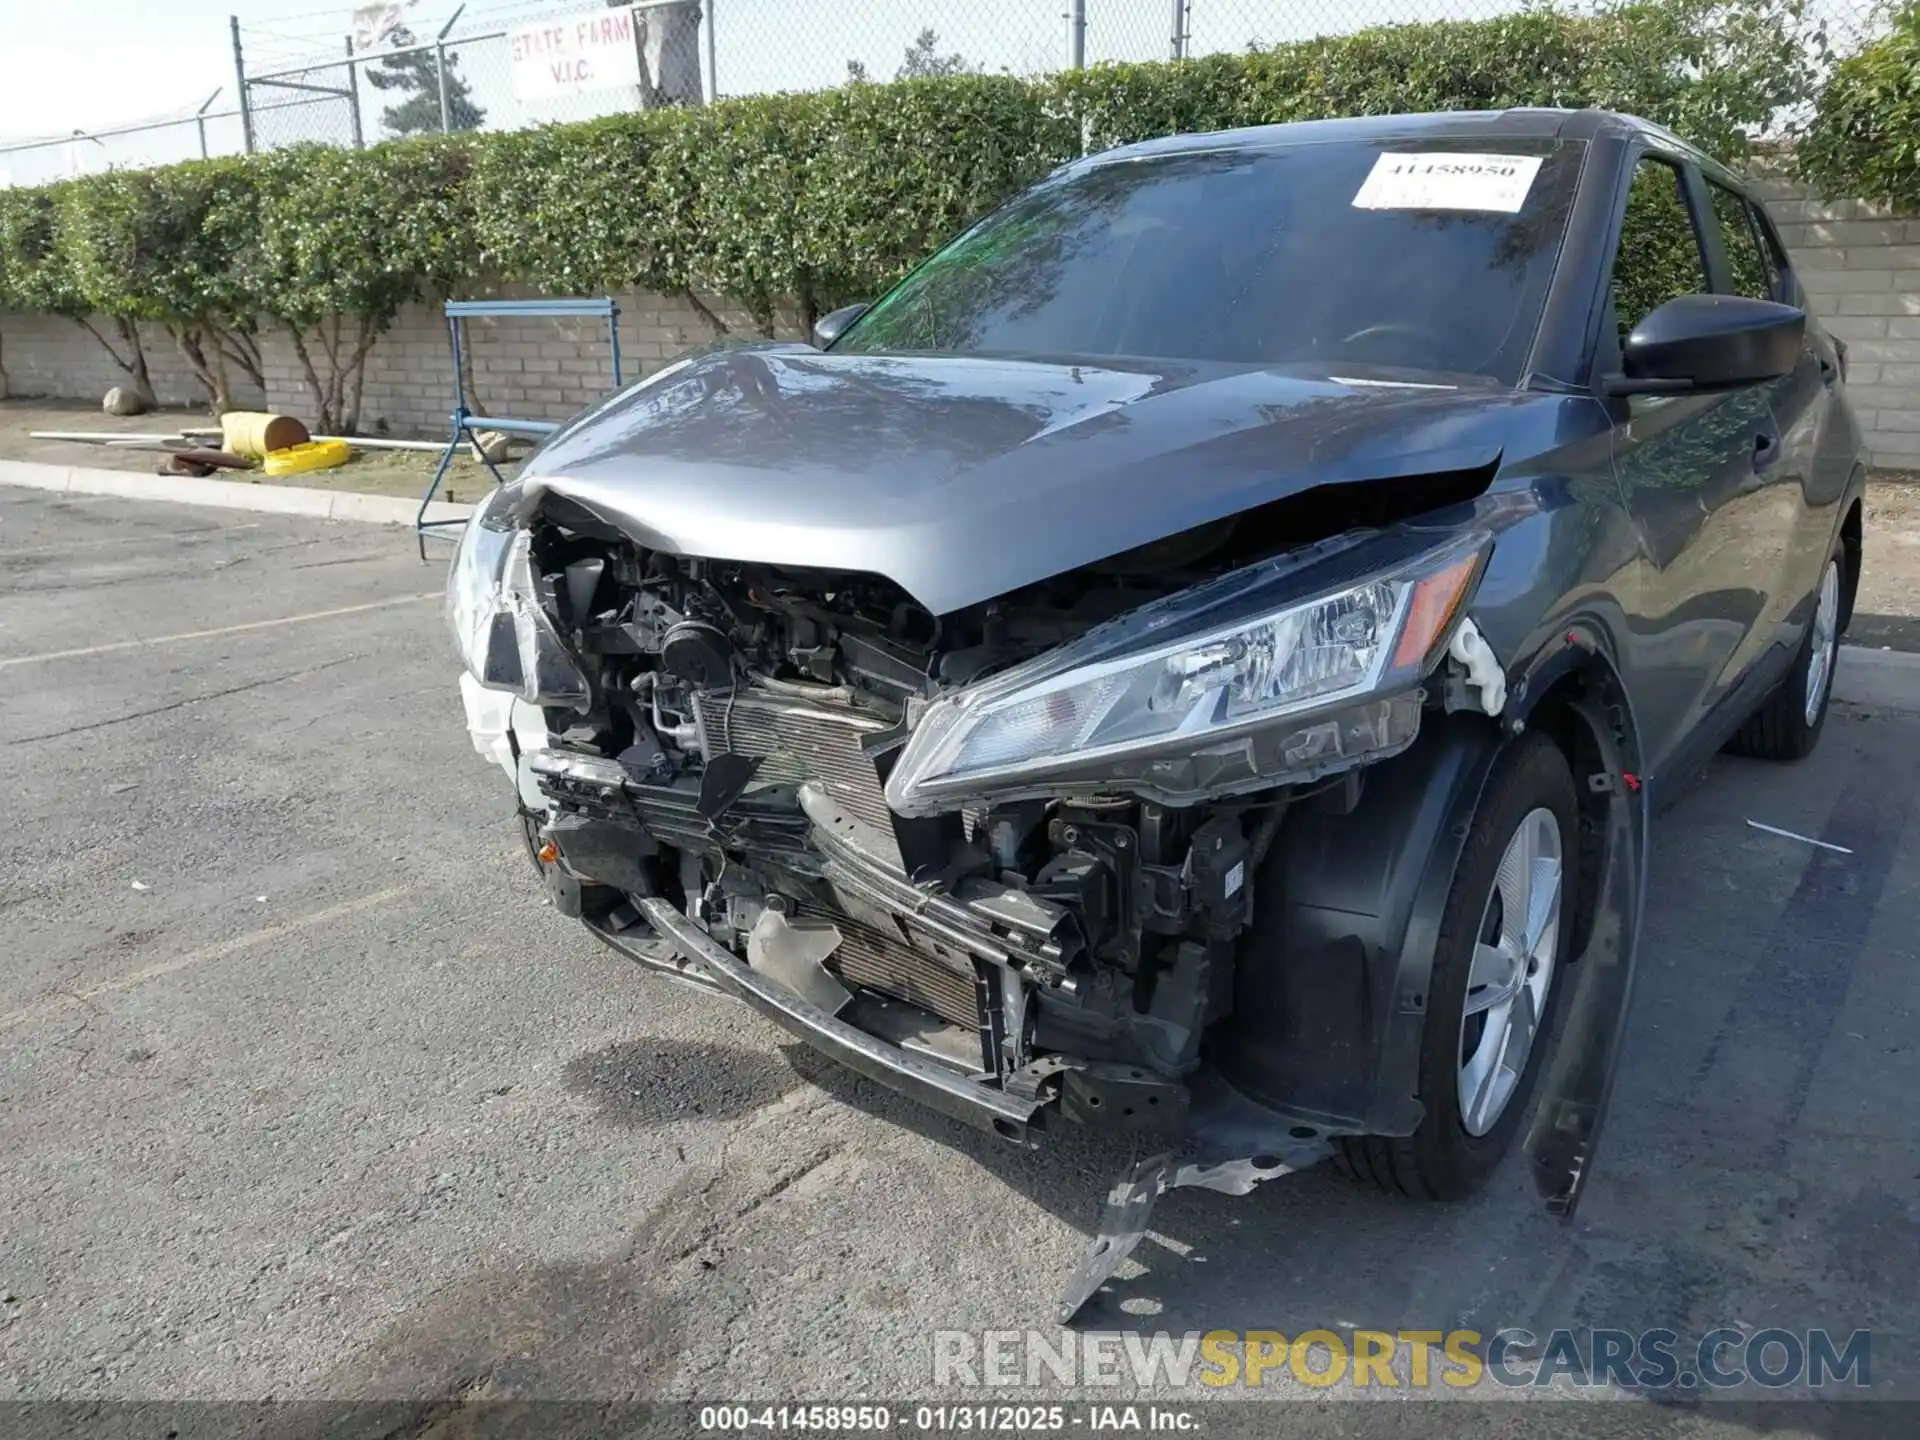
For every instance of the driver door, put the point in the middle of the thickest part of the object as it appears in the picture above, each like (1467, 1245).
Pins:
(1694, 474)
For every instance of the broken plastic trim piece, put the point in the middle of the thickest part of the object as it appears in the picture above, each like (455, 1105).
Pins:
(1237, 1143)
(1130, 1204)
(793, 954)
(1578, 1080)
(1484, 675)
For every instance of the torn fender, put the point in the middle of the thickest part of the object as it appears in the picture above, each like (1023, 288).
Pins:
(1332, 984)
(1578, 1083)
(1332, 976)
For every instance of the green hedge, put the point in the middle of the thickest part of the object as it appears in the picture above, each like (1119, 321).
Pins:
(1864, 141)
(1713, 70)
(817, 198)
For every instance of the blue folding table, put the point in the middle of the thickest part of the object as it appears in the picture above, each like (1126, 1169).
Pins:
(465, 422)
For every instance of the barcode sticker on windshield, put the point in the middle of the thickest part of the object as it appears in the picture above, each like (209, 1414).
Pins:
(1443, 181)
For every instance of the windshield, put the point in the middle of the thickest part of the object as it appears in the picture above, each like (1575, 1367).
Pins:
(1429, 254)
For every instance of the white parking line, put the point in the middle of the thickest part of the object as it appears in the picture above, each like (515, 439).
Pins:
(68, 998)
(140, 539)
(116, 645)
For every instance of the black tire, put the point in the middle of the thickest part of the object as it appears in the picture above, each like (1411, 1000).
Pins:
(1441, 1160)
(1779, 728)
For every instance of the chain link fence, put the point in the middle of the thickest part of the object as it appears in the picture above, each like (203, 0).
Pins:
(428, 66)
(196, 133)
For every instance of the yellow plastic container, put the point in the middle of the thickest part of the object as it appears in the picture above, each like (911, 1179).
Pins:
(314, 455)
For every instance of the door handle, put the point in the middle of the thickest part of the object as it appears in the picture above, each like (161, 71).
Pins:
(1766, 450)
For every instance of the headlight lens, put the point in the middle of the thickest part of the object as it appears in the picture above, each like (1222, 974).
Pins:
(493, 607)
(1285, 690)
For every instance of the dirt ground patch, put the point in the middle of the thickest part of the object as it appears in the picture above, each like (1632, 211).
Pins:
(369, 472)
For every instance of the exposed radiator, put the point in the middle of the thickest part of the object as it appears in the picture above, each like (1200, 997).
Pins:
(797, 741)
(867, 957)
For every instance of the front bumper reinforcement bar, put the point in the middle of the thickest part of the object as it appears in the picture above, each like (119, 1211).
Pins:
(933, 1085)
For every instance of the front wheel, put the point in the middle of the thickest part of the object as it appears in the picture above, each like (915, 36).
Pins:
(1496, 967)
(1788, 723)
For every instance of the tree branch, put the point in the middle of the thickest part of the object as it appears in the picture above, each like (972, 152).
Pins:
(189, 341)
(241, 348)
(700, 307)
(369, 332)
(130, 336)
(105, 344)
(323, 420)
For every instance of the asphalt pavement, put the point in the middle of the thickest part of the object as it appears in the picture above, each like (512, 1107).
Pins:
(305, 1093)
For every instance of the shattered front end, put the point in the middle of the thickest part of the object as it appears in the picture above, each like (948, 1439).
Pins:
(1004, 859)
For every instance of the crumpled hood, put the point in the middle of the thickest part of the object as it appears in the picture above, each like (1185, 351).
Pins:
(963, 478)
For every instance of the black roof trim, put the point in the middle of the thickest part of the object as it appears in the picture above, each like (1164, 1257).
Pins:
(1531, 123)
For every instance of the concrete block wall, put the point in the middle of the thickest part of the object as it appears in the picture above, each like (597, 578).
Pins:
(1861, 266)
(44, 355)
(527, 369)
(523, 368)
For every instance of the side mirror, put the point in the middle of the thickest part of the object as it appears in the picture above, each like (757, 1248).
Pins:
(1709, 342)
(831, 326)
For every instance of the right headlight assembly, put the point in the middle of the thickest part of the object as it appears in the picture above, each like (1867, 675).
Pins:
(1276, 673)
(504, 638)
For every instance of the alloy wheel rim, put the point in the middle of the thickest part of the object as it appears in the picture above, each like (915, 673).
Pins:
(1511, 972)
(1826, 641)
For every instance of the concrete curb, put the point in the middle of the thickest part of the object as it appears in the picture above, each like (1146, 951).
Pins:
(225, 494)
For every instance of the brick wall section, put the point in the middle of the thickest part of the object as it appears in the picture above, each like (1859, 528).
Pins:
(45, 355)
(521, 368)
(1861, 267)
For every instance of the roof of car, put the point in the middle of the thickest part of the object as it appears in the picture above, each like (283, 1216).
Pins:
(1450, 124)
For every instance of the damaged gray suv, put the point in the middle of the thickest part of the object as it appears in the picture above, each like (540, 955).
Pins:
(1199, 655)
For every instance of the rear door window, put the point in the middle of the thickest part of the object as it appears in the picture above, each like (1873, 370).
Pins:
(1747, 270)
(1771, 250)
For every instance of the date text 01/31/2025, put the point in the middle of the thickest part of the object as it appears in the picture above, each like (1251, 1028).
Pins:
(1000, 1419)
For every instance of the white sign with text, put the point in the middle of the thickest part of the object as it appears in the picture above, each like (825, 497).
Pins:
(1448, 181)
(572, 54)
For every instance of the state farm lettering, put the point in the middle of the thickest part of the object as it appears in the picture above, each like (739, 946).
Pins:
(570, 54)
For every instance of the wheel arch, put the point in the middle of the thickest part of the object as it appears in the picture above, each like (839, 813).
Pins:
(1852, 545)
(1333, 979)
(1579, 698)
(1330, 985)
(1582, 707)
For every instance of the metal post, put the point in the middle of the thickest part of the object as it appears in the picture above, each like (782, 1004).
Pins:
(713, 59)
(200, 120)
(1076, 34)
(440, 69)
(353, 96)
(240, 78)
(1181, 35)
(613, 339)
